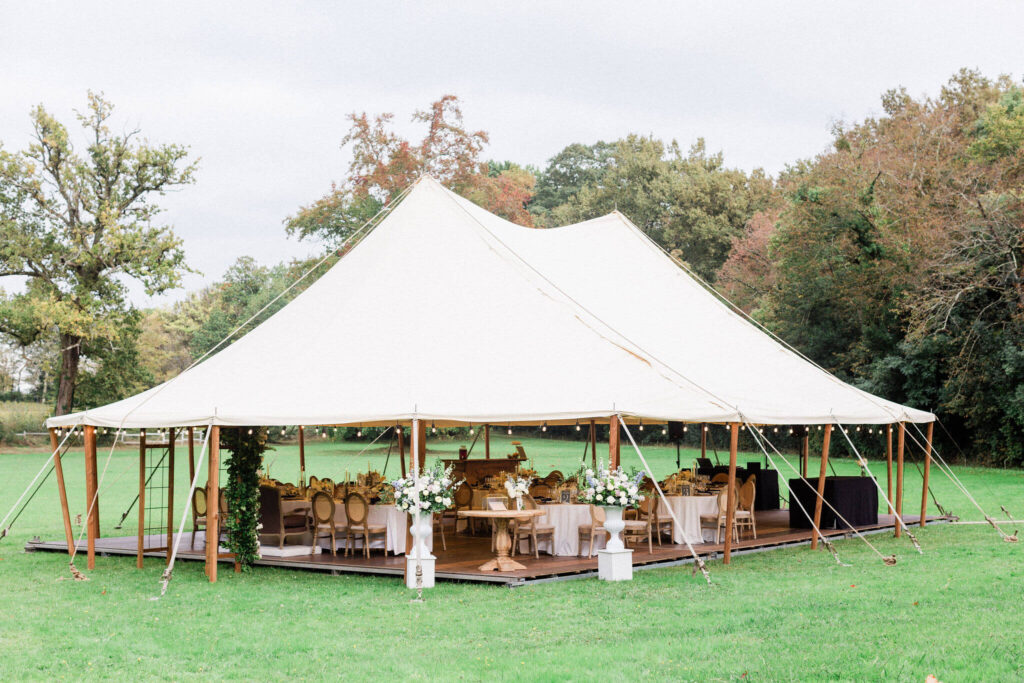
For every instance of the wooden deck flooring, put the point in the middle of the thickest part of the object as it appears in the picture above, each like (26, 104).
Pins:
(464, 554)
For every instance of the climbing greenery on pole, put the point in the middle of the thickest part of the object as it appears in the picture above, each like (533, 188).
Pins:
(247, 446)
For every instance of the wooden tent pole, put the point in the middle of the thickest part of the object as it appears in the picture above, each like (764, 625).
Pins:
(704, 440)
(927, 467)
(191, 455)
(141, 538)
(805, 454)
(401, 449)
(170, 491)
(487, 441)
(92, 523)
(888, 467)
(730, 514)
(821, 486)
(613, 442)
(421, 446)
(58, 468)
(901, 434)
(593, 444)
(213, 504)
(302, 458)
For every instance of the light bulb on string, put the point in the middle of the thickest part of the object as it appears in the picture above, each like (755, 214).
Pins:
(282, 431)
(544, 427)
(775, 429)
(471, 430)
(641, 425)
(510, 430)
(359, 433)
(705, 428)
(686, 428)
(433, 429)
(664, 430)
(323, 434)
(250, 432)
(577, 425)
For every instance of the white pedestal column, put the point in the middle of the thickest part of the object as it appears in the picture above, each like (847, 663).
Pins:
(615, 565)
(615, 562)
(422, 526)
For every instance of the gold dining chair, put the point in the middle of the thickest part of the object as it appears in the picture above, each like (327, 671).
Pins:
(323, 523)
(637, 529)
(719, 520)
(198, 513)
(356, 512)
(588, 532)
(745, 509)
(532, 530)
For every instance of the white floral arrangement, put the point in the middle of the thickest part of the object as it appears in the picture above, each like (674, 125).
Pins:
(612, 488)
(432, 491)
(517, 487)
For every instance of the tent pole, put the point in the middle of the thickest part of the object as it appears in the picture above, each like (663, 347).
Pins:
(901, 434)
(64, 511)
(213, 504)
(730, 514)
(704, 440)
(613, 442)
(191, 456)
(141, 538)
(302, 458)
(888, 467)
(593, 444)
(927, 467)
(487, 441)
(821, 484)
(421, 445)
(170, 491)
(92, 523)
(805, 454)
(401, 449)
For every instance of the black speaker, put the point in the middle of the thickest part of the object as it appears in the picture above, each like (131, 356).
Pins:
(799, 431)
(675, 431)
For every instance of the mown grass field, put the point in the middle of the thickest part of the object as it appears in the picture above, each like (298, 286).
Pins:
(956, 611)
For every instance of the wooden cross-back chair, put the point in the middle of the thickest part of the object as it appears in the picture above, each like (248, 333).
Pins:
(357, 512)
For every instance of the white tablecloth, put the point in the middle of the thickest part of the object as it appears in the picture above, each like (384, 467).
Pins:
(688, 510)
(566, 518)
(386, 515)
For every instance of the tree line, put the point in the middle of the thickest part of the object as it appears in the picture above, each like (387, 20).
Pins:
(893, 258)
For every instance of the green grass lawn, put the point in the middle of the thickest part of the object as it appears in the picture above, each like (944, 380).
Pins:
(955, 611)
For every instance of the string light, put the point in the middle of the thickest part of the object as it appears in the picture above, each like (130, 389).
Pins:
(858, 428)
(791, 430)
(641, 425)
(433, 429)
(664, 430)
(510, 430)
(359, 434)
(686, 428)
(282, 431)
(577, 425)
(819, 428)
(471, 430)
(705, 428)
(544, 427)
(775, 429)
(323, 434)
(250, 432)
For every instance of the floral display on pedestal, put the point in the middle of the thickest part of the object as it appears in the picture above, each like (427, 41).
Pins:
(428, 492)
(613, 490)
(517, 487)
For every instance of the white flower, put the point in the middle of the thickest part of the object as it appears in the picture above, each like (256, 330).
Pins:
(438, 499)
(447, 502)
(598, 497)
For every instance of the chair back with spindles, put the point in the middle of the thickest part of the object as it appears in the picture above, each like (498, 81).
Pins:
(356, 509)
(323, 509)
(723, 502)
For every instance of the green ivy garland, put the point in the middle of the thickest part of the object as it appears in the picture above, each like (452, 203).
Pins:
(247, 446)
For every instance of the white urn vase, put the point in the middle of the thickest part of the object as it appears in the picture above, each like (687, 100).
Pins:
(421, 528)
(614, 525)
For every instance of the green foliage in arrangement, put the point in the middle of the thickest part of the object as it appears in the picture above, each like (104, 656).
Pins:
(247, 446)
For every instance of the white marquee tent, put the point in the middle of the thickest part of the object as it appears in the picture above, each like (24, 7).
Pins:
(447, 313)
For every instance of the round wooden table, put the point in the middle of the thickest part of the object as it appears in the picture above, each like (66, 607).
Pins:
(502, 542)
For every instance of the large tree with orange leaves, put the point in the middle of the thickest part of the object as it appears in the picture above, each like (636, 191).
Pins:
(384, 163)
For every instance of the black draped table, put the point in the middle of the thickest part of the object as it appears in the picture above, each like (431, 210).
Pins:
(855, 498)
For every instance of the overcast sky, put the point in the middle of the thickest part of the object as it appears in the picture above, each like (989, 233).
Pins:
(259, 91)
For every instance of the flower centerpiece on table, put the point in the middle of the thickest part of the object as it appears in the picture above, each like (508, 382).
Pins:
(517, 487)
(432, 491)
(611, 488)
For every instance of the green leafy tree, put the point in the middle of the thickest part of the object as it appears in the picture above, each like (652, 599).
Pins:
(76, 224)
(690, 204)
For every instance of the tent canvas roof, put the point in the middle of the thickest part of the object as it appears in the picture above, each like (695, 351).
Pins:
(451, 314)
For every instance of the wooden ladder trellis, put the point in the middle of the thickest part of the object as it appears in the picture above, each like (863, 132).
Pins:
(156, 496)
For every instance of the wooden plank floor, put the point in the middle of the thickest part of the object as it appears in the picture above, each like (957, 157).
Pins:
(464, 554)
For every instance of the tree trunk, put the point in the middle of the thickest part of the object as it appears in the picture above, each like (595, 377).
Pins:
(70, 351)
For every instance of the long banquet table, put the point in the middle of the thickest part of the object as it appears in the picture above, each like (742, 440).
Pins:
(567, 519)
(386, 515)
(688, 510)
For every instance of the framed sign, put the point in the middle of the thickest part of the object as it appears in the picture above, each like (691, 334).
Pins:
(565, 496)
(684, 490)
